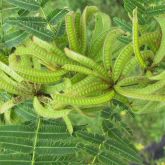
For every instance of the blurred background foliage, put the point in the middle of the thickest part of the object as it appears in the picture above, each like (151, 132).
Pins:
(111, 7)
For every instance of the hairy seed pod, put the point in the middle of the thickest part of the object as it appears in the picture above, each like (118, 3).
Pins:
(127, 51)
(86, 81)
(136, 40)
(86, 62)
(49, 113)
(84, 101)
(108, 47)
(43, 55)
(121, 61)
(88, 12)
(90, 88)
(71, 31)
(10, 104)
(80, 69)
(36, 63)
(10, 72)
(102, 27)
(77, 77)
(135, 95)
(53, 89)
(151, 88)
(40, 76)
(77, 24)
(20, 60)
(161, 54)
(10, 88)
(160, 76)
(132, 80)
(133, 63)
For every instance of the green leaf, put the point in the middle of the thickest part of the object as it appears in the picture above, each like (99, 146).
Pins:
(156, 10)
(37, 31)
(123, 24)
(15, 38)
(37, 142)
(25, 4)
(25, 159)
(23, 12)
(57, 15)
(25, 111)
(34, 20)
(102, 157)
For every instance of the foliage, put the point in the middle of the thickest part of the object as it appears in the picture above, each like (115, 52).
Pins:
(66, 64)
(28, 19)
(42, 141)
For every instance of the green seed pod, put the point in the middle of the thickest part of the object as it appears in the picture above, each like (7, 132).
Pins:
(161, 52)
(160, 76)
(84, 101)
(40, 76)
(135, 95)
(127, 51)
(87, 13)
(136, 40)
(108, 47)
(90, 88)
(80, 69)
(49, 113)
(151, 88)
(10, 104)
(71, 31)
(86, 62)
(10, 72)
(121, 61)
(132, 80)
(133, 63)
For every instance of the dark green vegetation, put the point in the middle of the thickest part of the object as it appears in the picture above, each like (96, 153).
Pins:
(78, 87)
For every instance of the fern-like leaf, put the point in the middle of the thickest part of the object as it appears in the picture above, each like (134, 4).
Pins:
(26, 4)
(34, 143)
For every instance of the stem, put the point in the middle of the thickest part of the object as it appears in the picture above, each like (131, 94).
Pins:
(35, 141)
(49, 25)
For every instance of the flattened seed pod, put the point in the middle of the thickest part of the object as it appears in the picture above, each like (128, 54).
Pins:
(80, 69)
(49, 113)
(108, 45)
(121, 61)
(88, 12)
(10, 72)
(133, 63)
(40, 76)
(86, 62)
(151, 88)
(10, 88)
(127, 51)
(10, 104)
(160, 76)
(84, 101)
(161, 52)
(83, 82)
(136, 45)
(132, 80)
(71, 31)
(90, 88)
(136, 95)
